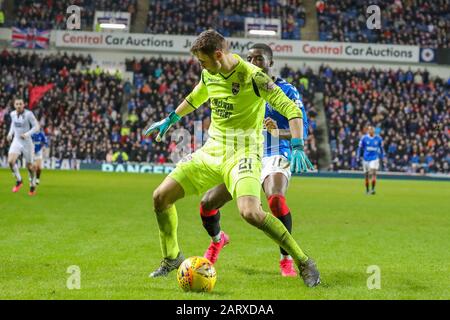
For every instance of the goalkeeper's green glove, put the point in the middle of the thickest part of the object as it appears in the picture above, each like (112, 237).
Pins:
(299, 160)
(162, 126)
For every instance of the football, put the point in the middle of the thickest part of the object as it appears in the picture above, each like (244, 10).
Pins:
(196, 274)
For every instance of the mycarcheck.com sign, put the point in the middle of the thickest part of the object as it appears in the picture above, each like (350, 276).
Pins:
(281, 48)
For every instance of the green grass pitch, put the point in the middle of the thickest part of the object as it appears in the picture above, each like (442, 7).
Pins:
(103, 223)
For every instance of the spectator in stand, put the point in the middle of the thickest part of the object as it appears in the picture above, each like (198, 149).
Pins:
(120, 156)
(2, 14)
(82, 113)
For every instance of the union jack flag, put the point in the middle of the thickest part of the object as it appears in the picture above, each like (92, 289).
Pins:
(30, 38)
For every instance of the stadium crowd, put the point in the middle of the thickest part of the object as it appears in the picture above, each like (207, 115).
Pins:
(409, 110)
(82, 114)
(78, 114)
(415, 22)
(227, 17)
(50, 14)
(96, 117)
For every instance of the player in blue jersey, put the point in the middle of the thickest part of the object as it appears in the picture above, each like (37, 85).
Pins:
(370, 148)
(40, 141)
(275, 173)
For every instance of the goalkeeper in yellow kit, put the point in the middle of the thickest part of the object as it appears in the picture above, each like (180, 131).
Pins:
(237, 91)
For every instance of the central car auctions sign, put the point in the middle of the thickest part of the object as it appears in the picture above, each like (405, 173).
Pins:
(359, 51)
(281, 48)
(120, 41)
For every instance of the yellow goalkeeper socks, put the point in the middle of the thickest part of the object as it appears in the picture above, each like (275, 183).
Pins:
(168, 224)
(275, 229)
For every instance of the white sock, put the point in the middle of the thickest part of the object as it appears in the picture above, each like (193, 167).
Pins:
(16, 172)
(217, 237)
(282, 256)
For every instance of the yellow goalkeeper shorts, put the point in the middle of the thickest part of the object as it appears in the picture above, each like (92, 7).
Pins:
(214, 164)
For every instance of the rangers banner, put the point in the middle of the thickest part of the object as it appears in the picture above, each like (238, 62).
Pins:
(129, 167)
(30, 38)
(281, 48)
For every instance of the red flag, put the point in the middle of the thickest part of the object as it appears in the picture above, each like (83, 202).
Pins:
(36, 93)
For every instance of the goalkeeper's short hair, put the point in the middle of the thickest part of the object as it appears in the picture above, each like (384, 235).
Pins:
(208, 42)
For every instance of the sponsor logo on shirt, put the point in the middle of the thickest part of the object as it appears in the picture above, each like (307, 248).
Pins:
(222, 108)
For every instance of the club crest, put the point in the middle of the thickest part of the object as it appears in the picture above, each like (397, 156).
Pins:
(235, 88)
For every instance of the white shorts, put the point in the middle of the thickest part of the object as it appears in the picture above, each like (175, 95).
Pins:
(24, 147)
(38, 155)
(275, 164)
(371, 165)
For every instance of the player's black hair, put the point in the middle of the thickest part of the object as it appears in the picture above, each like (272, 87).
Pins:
(262, 46)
